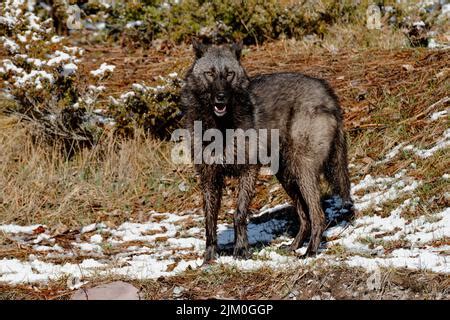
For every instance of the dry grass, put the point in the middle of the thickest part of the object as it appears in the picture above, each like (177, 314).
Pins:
(306, 283)
(316, 282)
(40, 186)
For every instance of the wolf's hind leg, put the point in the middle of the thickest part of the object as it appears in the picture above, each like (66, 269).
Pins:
(305, 225)
(308, 180)
(292, 189)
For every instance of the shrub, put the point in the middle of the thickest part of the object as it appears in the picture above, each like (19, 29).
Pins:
(253, 21)
(40, 76)
(42, 79)
(153, 108)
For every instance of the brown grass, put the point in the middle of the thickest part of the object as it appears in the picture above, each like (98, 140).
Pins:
(221, 282)
(40, 185)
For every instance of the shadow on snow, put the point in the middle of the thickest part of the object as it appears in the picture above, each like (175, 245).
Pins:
(281, 220)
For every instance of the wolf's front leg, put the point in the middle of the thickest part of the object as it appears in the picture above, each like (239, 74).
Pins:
(211, 185)
(246, 193)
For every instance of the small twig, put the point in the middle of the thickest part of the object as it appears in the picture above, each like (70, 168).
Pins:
(427, 110)
(368, 126)
(294, 283)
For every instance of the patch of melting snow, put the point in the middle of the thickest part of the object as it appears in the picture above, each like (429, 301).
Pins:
(146, 266)
(187, 243)
(89, 247)
(267, 259)
(10, 45)
(195, 231)
(419, 259)
(438, 115)
(35, 77)
(96, 238)
(164, 246)
(48, 248)
(418, 231)
(69, 69)
(385, 189)
(133, 24)
(442, 143)
(392, 153)
(422, 231)
(89, 228)
(148, 232)
(13, 229)
(103, 70)
(14, 271)
(58, 57)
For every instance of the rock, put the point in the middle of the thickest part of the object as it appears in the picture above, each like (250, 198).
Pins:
(74, 282)
(183, 187)
(73, 21)
(373, 282)
(293, 295)
(373, 17)
(178, 292)
(407, 67)
(361, 95)
(117, 290)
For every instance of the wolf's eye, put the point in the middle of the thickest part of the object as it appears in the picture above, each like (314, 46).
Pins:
(209, 74)
(230, 74)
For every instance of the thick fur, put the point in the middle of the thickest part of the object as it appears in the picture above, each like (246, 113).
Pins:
(309, 119)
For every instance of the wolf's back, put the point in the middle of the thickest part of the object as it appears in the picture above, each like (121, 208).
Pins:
(278, 97)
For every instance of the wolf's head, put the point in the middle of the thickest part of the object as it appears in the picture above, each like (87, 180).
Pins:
(217, 76)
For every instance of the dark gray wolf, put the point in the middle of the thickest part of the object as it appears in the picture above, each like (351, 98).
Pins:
(306, 112)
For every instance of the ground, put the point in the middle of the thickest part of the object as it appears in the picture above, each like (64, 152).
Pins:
(124, 211)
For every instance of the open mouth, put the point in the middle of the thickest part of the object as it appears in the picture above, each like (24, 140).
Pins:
(220, 110)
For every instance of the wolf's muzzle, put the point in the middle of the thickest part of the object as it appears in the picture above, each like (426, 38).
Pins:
(220, 104)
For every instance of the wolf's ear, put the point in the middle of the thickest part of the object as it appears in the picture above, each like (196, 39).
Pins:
(236, 48)
(199, 48)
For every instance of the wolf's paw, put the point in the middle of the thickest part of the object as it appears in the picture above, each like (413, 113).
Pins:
(311, 251)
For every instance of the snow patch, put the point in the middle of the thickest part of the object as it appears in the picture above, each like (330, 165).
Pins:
(103, 70)
(14, 229)
(438, 115)
(166, 244)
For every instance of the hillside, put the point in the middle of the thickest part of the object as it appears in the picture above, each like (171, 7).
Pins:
(119, 209)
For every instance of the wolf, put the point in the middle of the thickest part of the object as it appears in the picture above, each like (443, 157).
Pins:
(218, 92)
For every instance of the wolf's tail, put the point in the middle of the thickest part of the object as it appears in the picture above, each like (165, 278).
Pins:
(336, 168)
